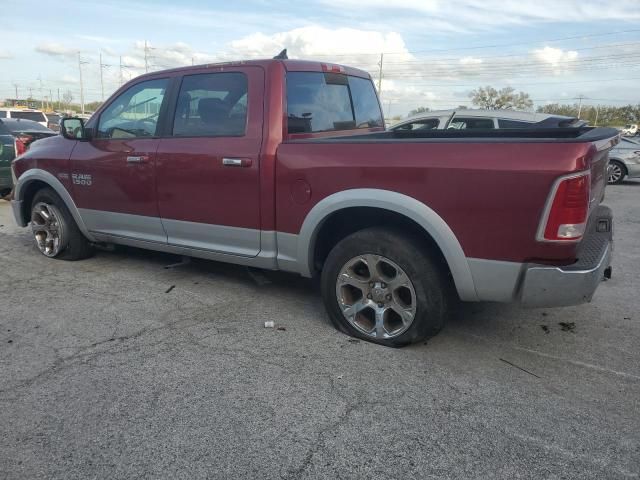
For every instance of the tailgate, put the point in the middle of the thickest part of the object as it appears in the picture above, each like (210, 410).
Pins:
(598, 166)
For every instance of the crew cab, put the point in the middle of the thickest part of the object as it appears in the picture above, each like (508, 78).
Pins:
(285, 164)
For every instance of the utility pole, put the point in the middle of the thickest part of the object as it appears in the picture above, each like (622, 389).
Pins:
(580, 98)
(380, 75)
(80, 63)
(50, 99)
(597, 111)
(121, 82)
(41, 99)
(102, 66)
(59, 104)
(16, 85)
(146, 58)
(30, 93)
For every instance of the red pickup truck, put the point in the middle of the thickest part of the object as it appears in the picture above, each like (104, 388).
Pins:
(284, 164)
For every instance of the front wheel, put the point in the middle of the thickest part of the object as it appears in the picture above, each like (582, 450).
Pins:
(617, 172)
(383, 286)
(55, 232)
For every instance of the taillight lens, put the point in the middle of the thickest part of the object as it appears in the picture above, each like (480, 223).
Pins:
(569, 211)
(19, 146)
(26, 139)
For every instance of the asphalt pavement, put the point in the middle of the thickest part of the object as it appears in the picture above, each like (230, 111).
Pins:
(115, 367)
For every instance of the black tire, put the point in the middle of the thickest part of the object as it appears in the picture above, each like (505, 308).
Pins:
(623, 170)
(74, 245)
(432, 287)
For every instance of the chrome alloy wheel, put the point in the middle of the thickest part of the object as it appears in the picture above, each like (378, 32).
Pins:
(376, 296)
(47, 228)
(615, 173)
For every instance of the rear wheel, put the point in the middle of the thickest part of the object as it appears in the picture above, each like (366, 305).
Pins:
(55, 232)
(382, 286)
(617, 172)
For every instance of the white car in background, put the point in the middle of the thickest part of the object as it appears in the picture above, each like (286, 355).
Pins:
(630, 130)
(26, 114)
(484, 119)
(624, 160)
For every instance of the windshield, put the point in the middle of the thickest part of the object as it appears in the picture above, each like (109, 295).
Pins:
(35, 116)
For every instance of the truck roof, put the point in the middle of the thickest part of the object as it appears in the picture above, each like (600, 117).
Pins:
(290, 65)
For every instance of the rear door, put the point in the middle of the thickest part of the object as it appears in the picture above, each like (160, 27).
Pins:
(113, 175)
(208, 167)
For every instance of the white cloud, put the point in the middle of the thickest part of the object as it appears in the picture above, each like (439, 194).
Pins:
(474, 15)
(4, 54)
(315, 41)
(470, 61)
(55, 49)
(555, 56)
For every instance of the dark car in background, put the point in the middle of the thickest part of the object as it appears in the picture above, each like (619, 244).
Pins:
(8, 147)
(16, 134)
(27, 131)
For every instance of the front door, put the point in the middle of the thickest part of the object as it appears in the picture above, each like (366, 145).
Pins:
(113, 175)
(208, 166)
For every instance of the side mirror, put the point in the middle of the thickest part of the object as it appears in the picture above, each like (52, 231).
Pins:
(73, 129)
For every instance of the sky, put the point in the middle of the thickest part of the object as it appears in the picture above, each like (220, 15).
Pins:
(434, 52)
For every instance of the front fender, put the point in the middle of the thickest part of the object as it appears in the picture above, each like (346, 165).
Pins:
(20, 209)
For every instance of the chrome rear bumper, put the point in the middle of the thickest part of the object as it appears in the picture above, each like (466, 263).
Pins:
(551, 286)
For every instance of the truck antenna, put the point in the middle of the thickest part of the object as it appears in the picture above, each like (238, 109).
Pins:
(282, 55)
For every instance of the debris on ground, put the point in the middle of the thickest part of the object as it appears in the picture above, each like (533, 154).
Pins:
(281, 328)
(544, 314)
(183, 261)
(544, 328)
(516, 366)
(567, 326)
(269, 324)
(353, 340)
(169, 289)
(340, 377)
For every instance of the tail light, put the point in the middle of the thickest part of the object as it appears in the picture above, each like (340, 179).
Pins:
(567, 211)
(19, 146)
(25, 139)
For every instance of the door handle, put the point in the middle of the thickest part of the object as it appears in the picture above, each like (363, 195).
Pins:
(138, 159)
(236, 162)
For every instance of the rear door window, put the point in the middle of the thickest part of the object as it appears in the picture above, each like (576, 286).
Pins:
(3, 114)
(322, 102)
(35, 116)
(212, 105)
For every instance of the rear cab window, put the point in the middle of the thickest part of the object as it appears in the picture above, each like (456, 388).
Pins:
(329, 102)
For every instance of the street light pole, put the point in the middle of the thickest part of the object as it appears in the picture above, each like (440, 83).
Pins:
(80, 62)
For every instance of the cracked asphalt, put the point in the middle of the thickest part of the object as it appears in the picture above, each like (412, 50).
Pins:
(108, 372)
